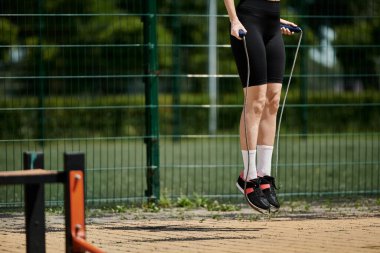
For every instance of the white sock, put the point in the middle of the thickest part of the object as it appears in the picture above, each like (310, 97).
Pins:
(251, 171)
(264, 160)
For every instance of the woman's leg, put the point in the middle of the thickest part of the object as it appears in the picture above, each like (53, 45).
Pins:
(251, 116)
(267, 126)
(249, 127)
(247, 182)
(267, 130)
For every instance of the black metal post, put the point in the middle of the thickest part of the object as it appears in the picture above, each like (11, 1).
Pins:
(34, 198)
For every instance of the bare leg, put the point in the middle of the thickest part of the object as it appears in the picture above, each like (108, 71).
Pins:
(250, 119)
(267, 130)
(267, 126)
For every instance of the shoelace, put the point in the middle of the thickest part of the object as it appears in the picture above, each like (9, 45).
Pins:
(256, 182)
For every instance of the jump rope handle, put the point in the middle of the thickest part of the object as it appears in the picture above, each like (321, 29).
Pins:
(295, 29)
(242, 33)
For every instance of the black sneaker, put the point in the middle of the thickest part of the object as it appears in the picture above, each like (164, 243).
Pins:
(254, 195)
(268, 187)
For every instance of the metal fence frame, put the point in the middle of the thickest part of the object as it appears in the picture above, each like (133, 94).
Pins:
(176, 163)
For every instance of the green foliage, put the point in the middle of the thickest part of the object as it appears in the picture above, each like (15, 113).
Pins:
(184, 201)
(57, 210)
(151, 207)
(95, 39)
(357, 56)
(216, 206)
(9, 32)
(119, 209)
(106, 38)
(200, 201)
(165, 201)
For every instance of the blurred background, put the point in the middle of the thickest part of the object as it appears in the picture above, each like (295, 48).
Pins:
(149, 91)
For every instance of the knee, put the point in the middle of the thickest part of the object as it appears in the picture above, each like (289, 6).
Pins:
(273, 102)
(257, 106)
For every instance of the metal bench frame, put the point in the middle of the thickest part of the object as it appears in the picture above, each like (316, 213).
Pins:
(34, 178)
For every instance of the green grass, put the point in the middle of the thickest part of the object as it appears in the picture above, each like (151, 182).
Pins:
(316, 165)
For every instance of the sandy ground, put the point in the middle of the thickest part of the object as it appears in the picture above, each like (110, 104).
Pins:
(343, 229)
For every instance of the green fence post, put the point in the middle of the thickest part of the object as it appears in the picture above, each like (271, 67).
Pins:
(41, 74)
(304, 86)
(151, 101)
(176, 70)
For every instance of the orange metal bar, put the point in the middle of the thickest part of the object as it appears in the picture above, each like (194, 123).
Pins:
(77, 224)
(79, 242)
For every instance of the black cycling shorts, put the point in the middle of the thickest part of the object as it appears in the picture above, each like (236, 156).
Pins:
(264, 40)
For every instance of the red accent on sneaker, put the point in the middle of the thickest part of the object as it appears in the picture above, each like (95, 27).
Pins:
(248, 190)
(264, 186)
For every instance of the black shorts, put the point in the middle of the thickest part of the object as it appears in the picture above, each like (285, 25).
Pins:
(264, 40)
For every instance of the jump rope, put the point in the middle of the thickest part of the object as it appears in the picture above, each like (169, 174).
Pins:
(242, 34)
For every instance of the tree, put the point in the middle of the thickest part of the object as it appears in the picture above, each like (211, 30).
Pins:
(356, 30)
(99, 41)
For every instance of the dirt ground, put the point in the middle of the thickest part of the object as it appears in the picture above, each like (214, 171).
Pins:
(294, 229)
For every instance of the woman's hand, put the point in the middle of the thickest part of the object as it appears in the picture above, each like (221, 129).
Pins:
(235, 27)
(286, 31)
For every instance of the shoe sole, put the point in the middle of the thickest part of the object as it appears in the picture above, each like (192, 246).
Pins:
(258, 209)
(274, 209)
